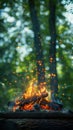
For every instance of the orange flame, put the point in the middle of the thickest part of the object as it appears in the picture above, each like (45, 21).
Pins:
(33, 90)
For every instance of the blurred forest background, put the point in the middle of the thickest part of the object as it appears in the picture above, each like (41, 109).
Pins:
(18, 48)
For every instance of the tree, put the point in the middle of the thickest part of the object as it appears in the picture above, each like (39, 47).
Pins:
(52, 51)
(37, 43)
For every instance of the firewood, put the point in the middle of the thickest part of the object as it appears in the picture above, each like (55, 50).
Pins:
(32, 99)
(52, 105)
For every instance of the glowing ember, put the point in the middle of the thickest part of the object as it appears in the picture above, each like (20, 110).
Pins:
(27, 107)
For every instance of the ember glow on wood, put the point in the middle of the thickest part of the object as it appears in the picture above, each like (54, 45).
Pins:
(35, 98)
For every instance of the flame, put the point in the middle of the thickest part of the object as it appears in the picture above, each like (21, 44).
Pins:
(33, 90)
(27, 107)
(45, 107)
(30, 91)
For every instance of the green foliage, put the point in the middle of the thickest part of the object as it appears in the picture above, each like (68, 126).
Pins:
(65, 94)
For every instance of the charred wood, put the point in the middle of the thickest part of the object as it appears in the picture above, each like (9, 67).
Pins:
(32, 99)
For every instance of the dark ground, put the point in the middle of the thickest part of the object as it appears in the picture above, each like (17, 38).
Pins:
(36, 124)
(54, 121)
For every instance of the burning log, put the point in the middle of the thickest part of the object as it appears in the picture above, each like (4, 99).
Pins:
(33, 99)
(51, 105)
(20, 104)
(36, 103)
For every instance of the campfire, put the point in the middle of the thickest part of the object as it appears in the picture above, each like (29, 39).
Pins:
(35, 98)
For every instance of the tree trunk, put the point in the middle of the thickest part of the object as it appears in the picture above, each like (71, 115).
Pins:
(37, 43)
(52, 51)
